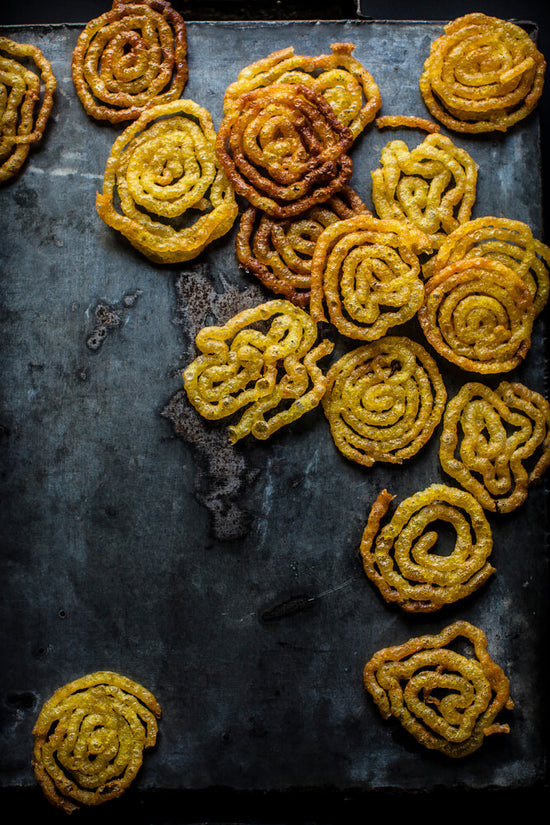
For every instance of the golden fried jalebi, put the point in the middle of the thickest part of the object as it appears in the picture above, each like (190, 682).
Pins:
(432, 185)
(484, 74)
(339, 77)
(27, 86)
(130, 57)
(447, 699)
(508, 241)
(366, 272)
(401, 558)
(279, 252)
(409, 121)
(89, 739)
(163, 175)
(496, 443)
(263, 359)
(383, 401)
(284, 149)
(478, 314)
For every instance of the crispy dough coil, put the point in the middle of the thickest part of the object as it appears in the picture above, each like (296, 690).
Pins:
(383, 401)
(163, 188)
(401, 557)
(339, 77)
(496, 443)
(446, 699)
(89, 739)
(284, 149)
(483, 74)
(27, 86)
(262, 362)
(130, 57)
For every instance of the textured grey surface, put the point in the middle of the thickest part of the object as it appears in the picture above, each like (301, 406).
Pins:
(136, 540)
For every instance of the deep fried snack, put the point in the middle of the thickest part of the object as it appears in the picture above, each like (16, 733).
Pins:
(284, 149)
(478, 314)
(263, 359)
(447, 699)
(409, 121)
(89, 739)
(432, 185)
(508, 241)
(401, 558)
(496, 443)
(163, 176)
(133, 56)
(383, 401)
(484, 74)
(339, 77)
(365, 275)
(27, 86)
(279, 252)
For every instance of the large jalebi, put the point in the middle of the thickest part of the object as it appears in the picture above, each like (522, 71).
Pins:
(432, 185)
(339, 77)
(263, 362)
(496, 443)
(279, 252)
(447, 700)
(163, 188)
(383, 401)
(89, 739)
(130, 57)
(365, 275)
(27, 86)
(478, 313)
(483, 74)
(284, 149)
(401, 557)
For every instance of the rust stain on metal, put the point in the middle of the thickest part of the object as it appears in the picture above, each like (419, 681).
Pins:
(109, 317)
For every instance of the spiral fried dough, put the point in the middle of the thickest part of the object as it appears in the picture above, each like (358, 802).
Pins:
(508, 241)
(265, 360)
(401, 557)
(446, 699)
(484, 74)
(478, 314)
(383, 401)
(162, 172)
(366, 272)
(89, 739)
(27, 86)
(129, 58)
(339, 77)
(496, 443)
(432, 185)
(279, 252)
(284, 149)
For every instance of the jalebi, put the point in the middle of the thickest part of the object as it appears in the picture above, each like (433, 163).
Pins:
(446, 699)
(89, 739)
(383, 401)
(407, 121)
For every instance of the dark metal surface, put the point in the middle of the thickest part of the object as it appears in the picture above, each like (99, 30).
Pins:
(226, 580)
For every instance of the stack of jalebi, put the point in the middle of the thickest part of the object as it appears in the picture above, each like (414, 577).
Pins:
(401, 558)
(383, 401)
(27, 86)
(130, 57)
(496, 443)
(366, 272)
(89, 739)
(163, 188)
(263, 359)
(483, 74)
(446, 699)
(279, 252)
(432, 185)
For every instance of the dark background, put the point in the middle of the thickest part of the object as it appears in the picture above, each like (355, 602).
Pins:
(223, 805)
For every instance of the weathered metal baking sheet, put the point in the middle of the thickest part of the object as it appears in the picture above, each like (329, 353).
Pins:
(136, 539)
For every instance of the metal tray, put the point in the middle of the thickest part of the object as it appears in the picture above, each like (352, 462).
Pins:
(136, 539)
